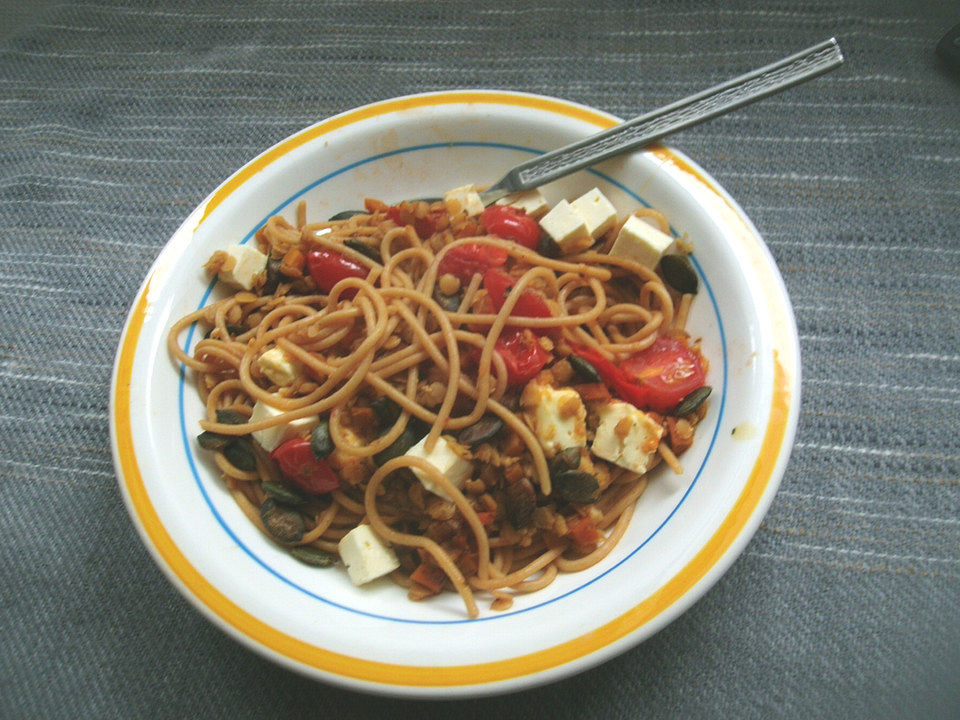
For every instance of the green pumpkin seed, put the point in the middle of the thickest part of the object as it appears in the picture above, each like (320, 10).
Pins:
(274, 276)
(450, 303)
(313, 556)
(320, 441)
(576, 486)
(213, 441)
(346, 215)
(232, 330)
(241, 454)
(568, 459)
(520, 501)
(284, 524)
(231, 417)
(387, 411)
(282, 494)
(679, 273)
(692, 401)
(584, 368)
(481, 431)
(548, 247)
(364, 249)
(408, 438)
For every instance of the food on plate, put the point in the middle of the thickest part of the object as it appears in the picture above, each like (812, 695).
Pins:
(461, 398)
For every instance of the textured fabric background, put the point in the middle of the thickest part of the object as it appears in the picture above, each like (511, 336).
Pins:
(117, 119)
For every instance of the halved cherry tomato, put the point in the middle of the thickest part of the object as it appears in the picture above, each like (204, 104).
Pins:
(327, 268)
(511, 223)
(668, 370)
(299, 465)
(522, 353)
(530, 304)
(464, 261)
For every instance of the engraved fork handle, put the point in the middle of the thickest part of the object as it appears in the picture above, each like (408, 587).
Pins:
(652, 126)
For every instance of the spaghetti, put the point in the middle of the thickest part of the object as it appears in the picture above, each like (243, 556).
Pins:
(407, 369)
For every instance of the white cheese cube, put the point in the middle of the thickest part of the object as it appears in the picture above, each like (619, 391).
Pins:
(366, 556)
(462, 199)
(279, 367)
(556, 416)
(598, 213)
(443, 457)
(567, 227)
(532, 202)
(641, 242)
(626, 436)
(270, 438)
(242, 266)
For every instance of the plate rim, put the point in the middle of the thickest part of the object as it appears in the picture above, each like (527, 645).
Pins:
(602, 642)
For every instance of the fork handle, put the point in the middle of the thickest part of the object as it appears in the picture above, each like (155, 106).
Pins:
(695, 109)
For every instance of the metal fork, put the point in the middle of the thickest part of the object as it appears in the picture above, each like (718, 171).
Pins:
(652, 126)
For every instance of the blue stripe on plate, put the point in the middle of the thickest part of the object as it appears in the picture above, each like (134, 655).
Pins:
(373, 158)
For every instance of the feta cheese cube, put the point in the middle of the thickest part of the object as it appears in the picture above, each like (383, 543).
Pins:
(242, 266)
(568, 229)
(598, 213)
(443, 457)
(270, 438)
(279, 367)
(556, 416)
(366, 556)
(532, 202)
(641, 242)
(626, 436)
(465, 198)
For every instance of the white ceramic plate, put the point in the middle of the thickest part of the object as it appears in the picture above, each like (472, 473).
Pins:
(687, 529)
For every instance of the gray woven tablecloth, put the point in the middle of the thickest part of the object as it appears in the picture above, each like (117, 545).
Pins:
(117, 119)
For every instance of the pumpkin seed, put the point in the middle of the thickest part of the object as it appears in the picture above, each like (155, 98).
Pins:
(313, 556)
(692, 401)
(481, 431)
(364, 249)
(584, 368)
(520, 502)
(241, 455)
(387, 411)
(450, 303)
(231, 417)
(232, 329)
(428, 200)
(282, 494)
(284, 524)
(548, 247)
(213, 441)
(320, 441)
(568, 459)
(274, 276)
(679, 273)
(408, 438)
(346, 214)
(576, 486)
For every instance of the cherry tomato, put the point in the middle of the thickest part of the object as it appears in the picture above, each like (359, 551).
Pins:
(327, 268)
(522, 353)
(464, 261)
(511, 223)
(299, 465)
(530, 304)
(668, 370)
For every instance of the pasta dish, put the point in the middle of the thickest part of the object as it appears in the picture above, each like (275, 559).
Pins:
(453, 397)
